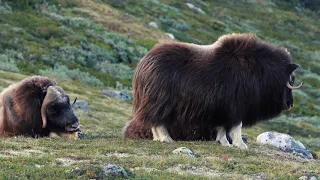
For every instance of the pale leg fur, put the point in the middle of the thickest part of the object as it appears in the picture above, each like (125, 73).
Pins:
(235, 134)
(155, 134)
(160, 133)
(222, 137)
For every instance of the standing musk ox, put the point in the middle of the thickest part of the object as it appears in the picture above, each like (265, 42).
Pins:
(36, 107)
(192, 92)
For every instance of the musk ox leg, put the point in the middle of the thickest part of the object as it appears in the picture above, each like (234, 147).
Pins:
(155, 134)
(160, 133)
(235, 134)
(222, 137)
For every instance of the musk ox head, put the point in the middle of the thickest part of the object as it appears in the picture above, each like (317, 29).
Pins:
(288, 98)
(56, 111)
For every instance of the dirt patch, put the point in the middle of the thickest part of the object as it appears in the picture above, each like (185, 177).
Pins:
(118, 22)
(69, 161)
(201, 171)
(144, 169)
(26, 152)
(121, 155)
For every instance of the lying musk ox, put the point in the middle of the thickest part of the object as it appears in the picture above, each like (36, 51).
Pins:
(192, 92)
(36, 107)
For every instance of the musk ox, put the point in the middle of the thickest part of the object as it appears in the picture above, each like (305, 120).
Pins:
(193, 92)
(36, 107)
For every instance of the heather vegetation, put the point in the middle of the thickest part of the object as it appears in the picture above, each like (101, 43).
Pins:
(89, 45)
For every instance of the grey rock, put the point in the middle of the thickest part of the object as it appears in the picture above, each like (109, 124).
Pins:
(117, 94)
(111, 171)
(81, 104)
(308, 177)
(171, 36)
(185, 151)
(153, 24)
(244, 138)
(285, 143)
(191, 6)
(297, 9)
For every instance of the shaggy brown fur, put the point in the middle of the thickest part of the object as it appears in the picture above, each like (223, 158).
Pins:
(191, 89)
(20, 108)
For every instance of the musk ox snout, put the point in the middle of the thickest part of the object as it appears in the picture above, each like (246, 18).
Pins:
(72, 127)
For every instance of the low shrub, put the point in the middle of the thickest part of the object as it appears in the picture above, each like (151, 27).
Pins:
(8, 64)
(5, 8)
(62, 73)
(120, 71)
(313, 79)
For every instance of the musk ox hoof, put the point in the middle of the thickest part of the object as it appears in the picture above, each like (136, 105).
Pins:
(167, 140)
(164, 139)
(224, 142)
(240, 145)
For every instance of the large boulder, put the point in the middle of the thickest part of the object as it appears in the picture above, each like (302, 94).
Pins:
(285, 143)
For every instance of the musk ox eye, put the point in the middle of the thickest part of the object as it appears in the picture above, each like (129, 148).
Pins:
(53, 109)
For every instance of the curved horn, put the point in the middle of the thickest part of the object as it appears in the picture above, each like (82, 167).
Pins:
(53, 94)
(293, 87)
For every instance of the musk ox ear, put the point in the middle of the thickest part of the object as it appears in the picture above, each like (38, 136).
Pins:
(292, 67)
(54, 94)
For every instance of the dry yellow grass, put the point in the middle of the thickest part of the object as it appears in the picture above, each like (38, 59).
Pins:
(119, 22)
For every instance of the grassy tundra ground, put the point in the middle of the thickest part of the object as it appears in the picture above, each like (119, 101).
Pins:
(91, 44)
(57, 158)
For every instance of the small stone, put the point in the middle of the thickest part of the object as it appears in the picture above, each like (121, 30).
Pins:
(308, 177)
(184, 151)
(171, 36)
(245, 138)
(38, 165)
(154, 24)
(191, 6)
(303, 178)
(113, 171)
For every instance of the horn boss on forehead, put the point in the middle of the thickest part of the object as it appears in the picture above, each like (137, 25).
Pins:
(54, 95)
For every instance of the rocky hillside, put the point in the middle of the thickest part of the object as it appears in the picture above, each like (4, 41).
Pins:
(89, 45)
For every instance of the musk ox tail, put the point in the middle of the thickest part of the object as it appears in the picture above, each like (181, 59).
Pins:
(135, 130)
